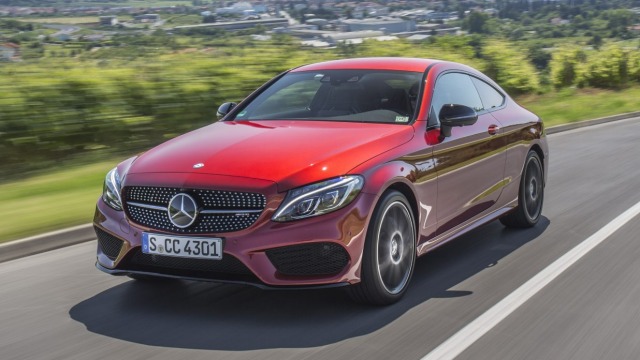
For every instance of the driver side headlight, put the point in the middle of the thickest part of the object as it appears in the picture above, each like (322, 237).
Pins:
(111, 190)
(319, 198)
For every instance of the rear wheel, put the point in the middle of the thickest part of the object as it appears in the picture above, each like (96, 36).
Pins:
(389, 252)
(530, 196)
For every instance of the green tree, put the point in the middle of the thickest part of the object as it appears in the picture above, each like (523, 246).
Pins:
(539, 56)
(608, 67)
(475, 22)
(509, 67)
(633, 66)
(567, 67)
(596, 41)
(208, 19)
(618, 22)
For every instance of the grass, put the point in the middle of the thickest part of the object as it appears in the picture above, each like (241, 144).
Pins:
(570, 105)
(182, 19)
(140, 3)
(67, 197)
(132, 3)
(63, 20)
(49, 202)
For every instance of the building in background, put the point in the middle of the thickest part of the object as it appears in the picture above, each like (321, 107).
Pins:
(388, 25)
(147, 18)
(9, 52)
(110, 20)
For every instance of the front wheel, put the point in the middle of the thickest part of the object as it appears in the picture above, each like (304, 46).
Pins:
(530, 195)
(389, 252)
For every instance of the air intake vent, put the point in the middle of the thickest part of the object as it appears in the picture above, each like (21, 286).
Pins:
(109, 244)
(309, 259)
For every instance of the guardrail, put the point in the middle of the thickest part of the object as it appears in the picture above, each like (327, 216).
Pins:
(46, 242)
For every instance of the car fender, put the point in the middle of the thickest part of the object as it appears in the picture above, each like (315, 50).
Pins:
(397, 175)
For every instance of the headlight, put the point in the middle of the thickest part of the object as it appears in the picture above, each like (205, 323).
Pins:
(111, 190)
(319, 198)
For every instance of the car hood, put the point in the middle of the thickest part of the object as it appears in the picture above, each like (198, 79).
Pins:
(289, 153)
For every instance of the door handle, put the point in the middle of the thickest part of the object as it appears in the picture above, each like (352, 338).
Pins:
(493, 129)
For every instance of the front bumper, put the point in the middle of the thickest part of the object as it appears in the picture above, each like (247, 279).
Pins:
(321, 251)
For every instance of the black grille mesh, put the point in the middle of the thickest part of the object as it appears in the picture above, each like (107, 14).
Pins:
(309, 259)
(109, 244)
(207, 200)
(210, 199)
(150, 195)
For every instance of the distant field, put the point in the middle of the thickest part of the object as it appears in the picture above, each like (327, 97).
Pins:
(569, 105)
(182, 19)
(63, 20)
(43, 203)
(143, 3)
(132, 3)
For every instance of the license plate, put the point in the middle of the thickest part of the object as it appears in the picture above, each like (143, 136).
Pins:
(182, 246)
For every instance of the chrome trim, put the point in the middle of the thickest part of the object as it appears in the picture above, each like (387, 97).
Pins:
(230, 211)
(216, 212)
(177, 213)
(147, 206)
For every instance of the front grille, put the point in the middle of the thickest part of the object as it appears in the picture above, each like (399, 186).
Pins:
(109, 244)
(211, 199)
(309, 259)
(219, 211)
(228, 268)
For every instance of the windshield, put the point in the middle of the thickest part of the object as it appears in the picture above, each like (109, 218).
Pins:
(338, 95)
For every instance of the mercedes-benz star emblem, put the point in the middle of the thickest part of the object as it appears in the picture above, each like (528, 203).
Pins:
(182, 210)
(198, 165)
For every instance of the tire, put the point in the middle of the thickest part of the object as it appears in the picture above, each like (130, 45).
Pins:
(530, 195)
(389, 253)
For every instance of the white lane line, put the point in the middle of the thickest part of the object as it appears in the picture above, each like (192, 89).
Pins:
(464, 338)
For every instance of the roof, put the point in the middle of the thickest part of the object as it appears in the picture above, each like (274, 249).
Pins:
(381, 63)
(352, 34)
(375, 21)
(418, 37)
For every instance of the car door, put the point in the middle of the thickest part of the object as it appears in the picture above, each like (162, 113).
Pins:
(470, 163)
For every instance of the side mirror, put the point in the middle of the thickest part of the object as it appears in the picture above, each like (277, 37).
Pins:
(456, 115)
(224, 109)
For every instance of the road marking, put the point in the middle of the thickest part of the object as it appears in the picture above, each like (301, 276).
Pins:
(468, 335)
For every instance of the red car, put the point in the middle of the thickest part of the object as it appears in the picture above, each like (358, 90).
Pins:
(331, 174)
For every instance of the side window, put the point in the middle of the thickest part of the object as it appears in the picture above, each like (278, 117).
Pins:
(491, 98)
(454, 88)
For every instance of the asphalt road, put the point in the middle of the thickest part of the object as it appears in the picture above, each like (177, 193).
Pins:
(56, 305)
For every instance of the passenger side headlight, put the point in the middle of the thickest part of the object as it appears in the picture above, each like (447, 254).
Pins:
(319, 198)
(111, 190)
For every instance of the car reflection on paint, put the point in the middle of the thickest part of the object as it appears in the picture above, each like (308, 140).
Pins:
(331, 174)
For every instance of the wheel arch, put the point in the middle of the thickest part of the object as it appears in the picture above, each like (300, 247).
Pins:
(398, 176)
(538, 150)
(408, 193)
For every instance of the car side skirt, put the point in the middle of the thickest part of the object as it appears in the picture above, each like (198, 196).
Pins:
(465, 228)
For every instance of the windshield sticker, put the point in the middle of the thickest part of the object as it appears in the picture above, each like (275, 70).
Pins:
(402, 118)
(242, 113)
